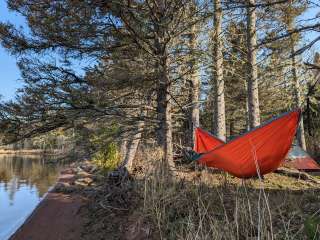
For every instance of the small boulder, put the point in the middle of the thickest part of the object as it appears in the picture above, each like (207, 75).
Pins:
(86, 181)
(68, 171)
(80, 183)
(87, 167)
(63, 187)
(83, 174)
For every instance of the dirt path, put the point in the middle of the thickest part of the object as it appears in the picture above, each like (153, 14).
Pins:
(56, 218)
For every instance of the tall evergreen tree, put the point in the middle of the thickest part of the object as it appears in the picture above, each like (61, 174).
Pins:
(289, 15)
(219, 111)
(235, 78)
(253, 86)
(131, 44)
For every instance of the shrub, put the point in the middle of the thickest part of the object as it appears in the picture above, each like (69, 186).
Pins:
(107, 154)
(108, 158)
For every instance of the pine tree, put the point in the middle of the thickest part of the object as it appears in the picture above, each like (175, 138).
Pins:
(289, 14)
(253, 86)
(219, 111)
(131, 42)
(235, 78)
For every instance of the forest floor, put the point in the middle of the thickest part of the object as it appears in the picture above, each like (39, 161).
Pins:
(188, 204)
(201, 204)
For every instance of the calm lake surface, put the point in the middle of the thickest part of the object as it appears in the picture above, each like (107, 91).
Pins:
(23, 183)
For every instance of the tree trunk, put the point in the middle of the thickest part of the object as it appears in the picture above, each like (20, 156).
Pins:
(164, 115)
(132, 146)
(194, 85)
(219, 113)
(124, 148)
(130, 143)
(163, 89)
(309, 117)
(297, 96)
(231, 129)
(253, 90)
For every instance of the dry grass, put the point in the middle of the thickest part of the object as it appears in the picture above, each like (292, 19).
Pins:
(188, 204)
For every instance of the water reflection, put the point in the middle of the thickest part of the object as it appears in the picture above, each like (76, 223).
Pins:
(23, 182)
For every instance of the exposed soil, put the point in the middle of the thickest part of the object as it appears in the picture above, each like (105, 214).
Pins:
(57, 217)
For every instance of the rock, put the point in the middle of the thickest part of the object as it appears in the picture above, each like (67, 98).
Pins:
(86, 168)
(83, 174)
(68, 171)
(67, 178)
(64, 187)
(80, 183)
(84, 181)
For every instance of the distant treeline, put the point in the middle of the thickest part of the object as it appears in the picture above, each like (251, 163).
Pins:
(52, 141)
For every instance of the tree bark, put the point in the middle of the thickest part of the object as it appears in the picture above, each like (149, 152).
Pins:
(131, 143)
(132, 146)
(164, 114)
(297, 94)
(195, 85)
(219, 113)
(163, 89)
(253, 90)
(124, 148)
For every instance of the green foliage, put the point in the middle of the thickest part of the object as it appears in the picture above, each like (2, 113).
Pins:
(312, 228)
(107, 154)
(103, 136)
(109, 158)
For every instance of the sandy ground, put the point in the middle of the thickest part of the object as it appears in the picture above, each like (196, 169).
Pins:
(56, 218)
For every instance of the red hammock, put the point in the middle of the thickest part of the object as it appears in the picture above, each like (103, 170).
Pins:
(204, 141)
(260, 150)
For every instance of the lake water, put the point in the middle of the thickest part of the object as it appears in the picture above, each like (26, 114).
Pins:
(23, 183)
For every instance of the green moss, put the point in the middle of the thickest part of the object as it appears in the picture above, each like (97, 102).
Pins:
(312, 228)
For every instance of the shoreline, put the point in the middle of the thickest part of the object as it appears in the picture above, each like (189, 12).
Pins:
(30, 152)
(55, 217)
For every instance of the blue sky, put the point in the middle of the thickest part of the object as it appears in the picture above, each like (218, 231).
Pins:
(9, 72)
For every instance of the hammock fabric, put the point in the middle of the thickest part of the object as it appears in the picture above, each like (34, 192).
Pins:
(204, 141)
(261, 150)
